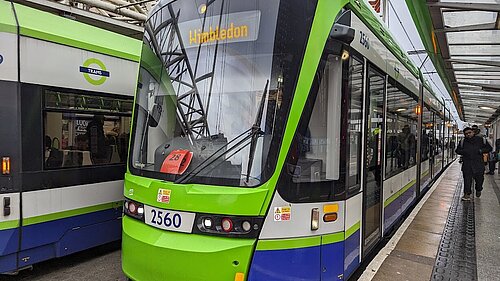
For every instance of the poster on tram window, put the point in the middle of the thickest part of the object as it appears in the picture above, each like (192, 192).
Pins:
(81, 127)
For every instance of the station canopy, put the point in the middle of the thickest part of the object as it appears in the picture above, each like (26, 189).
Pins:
(121, 16)
(462, 38)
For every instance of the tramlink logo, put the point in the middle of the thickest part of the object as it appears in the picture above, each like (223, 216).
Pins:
(1, 59)
(95, 75)
(215, 34)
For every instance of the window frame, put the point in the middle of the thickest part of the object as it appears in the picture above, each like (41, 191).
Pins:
(415, 98)
(45, 110)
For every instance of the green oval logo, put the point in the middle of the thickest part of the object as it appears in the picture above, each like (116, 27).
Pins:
(94, 67)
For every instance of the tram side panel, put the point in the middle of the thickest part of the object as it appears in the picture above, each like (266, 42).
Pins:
(68, 207)
(9, 130)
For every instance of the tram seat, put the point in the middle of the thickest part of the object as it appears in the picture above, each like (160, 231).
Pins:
(72, 158)
(115, 156)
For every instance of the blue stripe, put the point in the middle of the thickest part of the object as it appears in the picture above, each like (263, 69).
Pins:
(73, 241)
(7, 263)
(332, 261)
(395, 210)
(39, 234)
(323, 262)
(58, 238)
(9, 241)
(351, 256)
(291, 264)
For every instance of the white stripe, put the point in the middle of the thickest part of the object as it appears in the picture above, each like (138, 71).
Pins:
(48, 201)
(376, 263)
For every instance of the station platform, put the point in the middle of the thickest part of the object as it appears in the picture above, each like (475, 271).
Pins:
(444, 238)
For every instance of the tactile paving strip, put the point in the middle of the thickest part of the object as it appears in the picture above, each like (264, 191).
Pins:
(456, 257)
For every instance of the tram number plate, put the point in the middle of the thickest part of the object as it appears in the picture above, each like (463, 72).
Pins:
(168, 219)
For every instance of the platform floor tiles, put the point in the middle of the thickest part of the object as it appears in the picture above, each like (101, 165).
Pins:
(414, 257)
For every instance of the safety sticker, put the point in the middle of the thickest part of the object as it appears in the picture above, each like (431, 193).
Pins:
(164, 195)
(282, 213)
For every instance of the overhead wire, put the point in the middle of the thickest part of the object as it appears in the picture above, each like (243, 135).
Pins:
(415, 49)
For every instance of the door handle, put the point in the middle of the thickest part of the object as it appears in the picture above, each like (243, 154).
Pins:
(6, 206)
(315, 219)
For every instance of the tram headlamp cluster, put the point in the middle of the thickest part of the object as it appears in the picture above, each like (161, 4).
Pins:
(232, 226)
(133, 209)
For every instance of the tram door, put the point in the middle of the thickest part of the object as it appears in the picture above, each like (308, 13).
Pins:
(373, 159)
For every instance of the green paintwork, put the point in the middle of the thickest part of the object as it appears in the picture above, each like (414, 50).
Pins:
(332, 238)
(285, 244)
(7, 19)
(71, 213)
(9, 224)
(91, 80)
(302, 242)
(364, 12)
(425, 173)
(352, 229)
(196, 198)
(399, 193)
(45, 26)
(187, 256)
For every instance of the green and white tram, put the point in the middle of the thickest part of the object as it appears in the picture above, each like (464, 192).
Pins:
(273, 140)
(61, 183)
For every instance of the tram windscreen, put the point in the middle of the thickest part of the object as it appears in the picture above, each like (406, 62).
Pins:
(215, 86)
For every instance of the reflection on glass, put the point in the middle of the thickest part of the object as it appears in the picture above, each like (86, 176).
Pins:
(401, 130)
(215, 87)
(376, 84)
(82, 136)
(355, 122)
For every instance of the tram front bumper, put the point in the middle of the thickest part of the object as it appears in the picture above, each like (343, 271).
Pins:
(150, 254)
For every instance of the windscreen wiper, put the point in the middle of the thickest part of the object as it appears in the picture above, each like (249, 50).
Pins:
(256, 131)
(253, 133)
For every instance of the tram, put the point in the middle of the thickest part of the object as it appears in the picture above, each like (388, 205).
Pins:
(273, 140)
(62, 177)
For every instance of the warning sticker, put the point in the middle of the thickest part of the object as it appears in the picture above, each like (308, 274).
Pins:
(282, 213)
(164, 195)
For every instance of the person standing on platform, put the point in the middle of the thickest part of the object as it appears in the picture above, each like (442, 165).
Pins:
(472, 148)
(477, 131)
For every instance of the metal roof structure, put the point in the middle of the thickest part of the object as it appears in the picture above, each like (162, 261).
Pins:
(463, 39)
(121, 16)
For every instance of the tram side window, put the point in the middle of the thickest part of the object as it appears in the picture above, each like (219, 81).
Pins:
(354, 125)
(426, 137)
(85, 130)
(312, 170)
(401, 130)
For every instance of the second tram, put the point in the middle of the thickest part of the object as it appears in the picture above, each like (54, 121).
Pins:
(66, 102)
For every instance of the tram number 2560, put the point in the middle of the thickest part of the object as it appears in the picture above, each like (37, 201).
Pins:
(364, 40)
(165, 219)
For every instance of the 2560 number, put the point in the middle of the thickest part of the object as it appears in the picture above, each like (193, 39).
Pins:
(166, 219)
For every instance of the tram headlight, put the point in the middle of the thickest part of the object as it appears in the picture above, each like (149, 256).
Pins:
(133, 209)
(231, 226)
(207, 223)
(246, 225)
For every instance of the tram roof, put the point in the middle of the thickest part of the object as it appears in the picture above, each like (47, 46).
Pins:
(373, 22)
(462, 38)
(54, 28)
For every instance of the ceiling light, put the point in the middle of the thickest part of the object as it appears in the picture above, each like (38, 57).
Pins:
(486, 108)
(400, 109)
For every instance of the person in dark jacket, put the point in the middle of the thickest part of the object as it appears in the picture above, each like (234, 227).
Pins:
(472, 148)
(96, 140)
